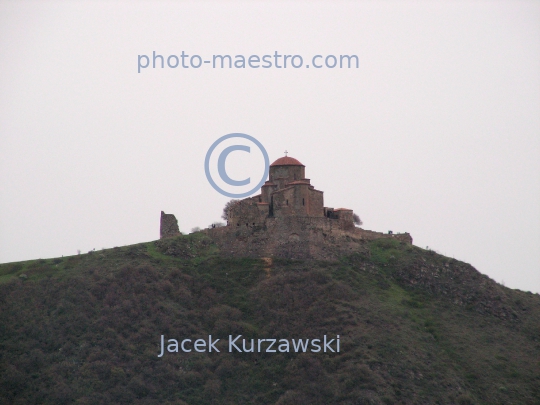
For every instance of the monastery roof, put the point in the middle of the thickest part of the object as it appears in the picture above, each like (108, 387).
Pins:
(286, 161)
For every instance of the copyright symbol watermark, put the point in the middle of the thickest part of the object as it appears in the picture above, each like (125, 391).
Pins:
(236, 175)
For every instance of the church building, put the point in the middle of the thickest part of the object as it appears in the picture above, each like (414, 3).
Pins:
(287, 193)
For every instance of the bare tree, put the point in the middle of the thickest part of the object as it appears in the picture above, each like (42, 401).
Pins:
(356, 219)
(228, 206)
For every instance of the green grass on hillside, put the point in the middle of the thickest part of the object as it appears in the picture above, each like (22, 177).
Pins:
(416, 328)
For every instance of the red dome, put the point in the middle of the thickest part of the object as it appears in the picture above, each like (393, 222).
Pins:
(286, 161)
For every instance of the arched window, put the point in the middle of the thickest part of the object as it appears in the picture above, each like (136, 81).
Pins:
(287, 202)
(303, 202)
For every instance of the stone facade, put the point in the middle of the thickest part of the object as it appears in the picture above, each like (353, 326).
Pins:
(168, 226)
(288, 219)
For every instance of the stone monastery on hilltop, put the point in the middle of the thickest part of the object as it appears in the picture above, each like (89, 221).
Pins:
(287, 219)
(287, 194)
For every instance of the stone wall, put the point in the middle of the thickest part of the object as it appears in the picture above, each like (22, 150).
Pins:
(316, 203)
(296, 238)
(168, 226)
(247, 213)
(345, 218)
(371, 235)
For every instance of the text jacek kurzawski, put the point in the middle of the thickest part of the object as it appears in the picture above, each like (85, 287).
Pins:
(238, 345)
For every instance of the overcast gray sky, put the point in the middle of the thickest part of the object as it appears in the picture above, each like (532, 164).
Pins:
(437, 132)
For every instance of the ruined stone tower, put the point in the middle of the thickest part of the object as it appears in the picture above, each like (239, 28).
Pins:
(168, 226)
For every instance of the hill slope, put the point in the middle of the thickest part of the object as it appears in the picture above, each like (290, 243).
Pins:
(415, 328)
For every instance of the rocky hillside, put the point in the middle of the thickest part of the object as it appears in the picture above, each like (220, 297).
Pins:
(415, 327)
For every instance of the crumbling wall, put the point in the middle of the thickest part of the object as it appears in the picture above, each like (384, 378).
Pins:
(247, 213)
(296, 238)
(168, 226)
(371, 235)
